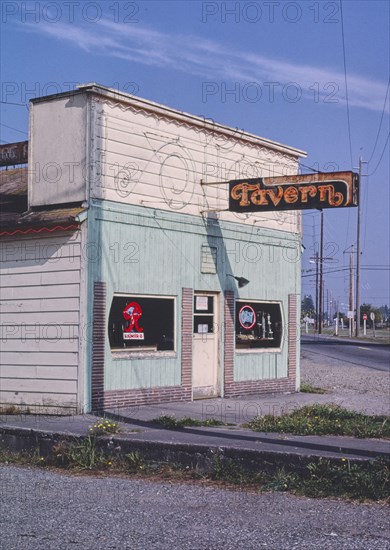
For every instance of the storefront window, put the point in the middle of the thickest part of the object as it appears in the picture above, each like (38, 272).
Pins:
(141, 323)
(258, 325)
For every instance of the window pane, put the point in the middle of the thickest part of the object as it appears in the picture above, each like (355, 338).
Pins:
(203, 324)
(136, 322)
(258, 325)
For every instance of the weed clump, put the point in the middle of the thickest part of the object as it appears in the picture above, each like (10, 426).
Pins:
(83, 454)
(308, 388)
(104, 427)
(172, 423)
(326, 419)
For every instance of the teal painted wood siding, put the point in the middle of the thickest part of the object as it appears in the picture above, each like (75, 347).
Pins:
(153, 252)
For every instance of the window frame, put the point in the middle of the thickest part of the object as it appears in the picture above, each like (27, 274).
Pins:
(122, 353)
(239, 302)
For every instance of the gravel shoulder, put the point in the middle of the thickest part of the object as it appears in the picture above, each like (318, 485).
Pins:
(46, 510)
(359, 388)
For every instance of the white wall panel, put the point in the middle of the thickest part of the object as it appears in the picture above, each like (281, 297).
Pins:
(155, 162)
(40, 320)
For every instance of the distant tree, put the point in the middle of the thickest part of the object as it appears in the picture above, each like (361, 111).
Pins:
(368, 309)
(378, 314)
(385, 311)
(307, 307)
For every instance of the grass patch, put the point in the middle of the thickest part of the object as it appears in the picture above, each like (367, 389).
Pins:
(172, 423)
(22, 458)
(326, 419)
(368, 480)
(308, 388)
(356, 480)
(83, 454)
(135, 462)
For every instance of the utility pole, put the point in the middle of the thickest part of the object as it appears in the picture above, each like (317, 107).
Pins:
(351, 331)
(320, 301)
(327, 306)
(321, 273)
(358, 255)
(316, 259)
(331, 307)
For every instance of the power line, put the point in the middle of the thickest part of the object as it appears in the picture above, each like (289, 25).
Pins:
(310, 168)
(380, 123)
(13, 103)
(346, 81)
(383, 152)
(12, 128)
(347, 269)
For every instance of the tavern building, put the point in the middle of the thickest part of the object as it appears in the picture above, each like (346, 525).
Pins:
(125, 278)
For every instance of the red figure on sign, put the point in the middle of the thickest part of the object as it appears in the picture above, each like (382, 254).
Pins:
(132, 313)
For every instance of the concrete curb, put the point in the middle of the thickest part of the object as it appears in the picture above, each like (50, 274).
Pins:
(200, 457)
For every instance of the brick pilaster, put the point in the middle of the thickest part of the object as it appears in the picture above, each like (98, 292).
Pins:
(186, 340)
(292, 337)
(98, 340)
(229, 344)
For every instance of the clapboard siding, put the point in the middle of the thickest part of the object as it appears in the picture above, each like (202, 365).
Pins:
(146, 160)
(37, 372)
(40, 401)
(39, 385)
(55, 265)
(32, 342)
(49, 291)
(33, 306)
(19, 280)
(32, 251)
(38, 358)
(40, 320)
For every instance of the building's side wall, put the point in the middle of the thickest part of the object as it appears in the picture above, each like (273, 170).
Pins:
(42, 327)
(57, 166)
(154, 252)
(151, 160)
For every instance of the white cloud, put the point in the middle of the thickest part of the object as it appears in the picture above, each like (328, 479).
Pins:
(206, 58)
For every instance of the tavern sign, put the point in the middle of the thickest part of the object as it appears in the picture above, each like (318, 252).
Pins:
(322, 190)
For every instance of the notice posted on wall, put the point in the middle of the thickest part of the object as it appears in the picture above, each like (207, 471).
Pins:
(202, 303)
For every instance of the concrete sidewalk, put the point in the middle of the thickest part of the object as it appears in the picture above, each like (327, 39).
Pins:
(194, 444)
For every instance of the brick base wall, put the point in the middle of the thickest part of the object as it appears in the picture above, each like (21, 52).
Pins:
(146, 396)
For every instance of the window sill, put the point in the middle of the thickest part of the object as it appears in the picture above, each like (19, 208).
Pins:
(126, 354)
(257, 350)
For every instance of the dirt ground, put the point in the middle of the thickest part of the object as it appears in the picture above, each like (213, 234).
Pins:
(359, 388)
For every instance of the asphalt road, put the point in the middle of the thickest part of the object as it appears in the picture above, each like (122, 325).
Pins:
(48, 510)
(363, 354)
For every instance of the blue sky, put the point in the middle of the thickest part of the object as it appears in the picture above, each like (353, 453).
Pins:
(272, 68)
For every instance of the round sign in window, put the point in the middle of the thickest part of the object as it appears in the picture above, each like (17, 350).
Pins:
(247, 317)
